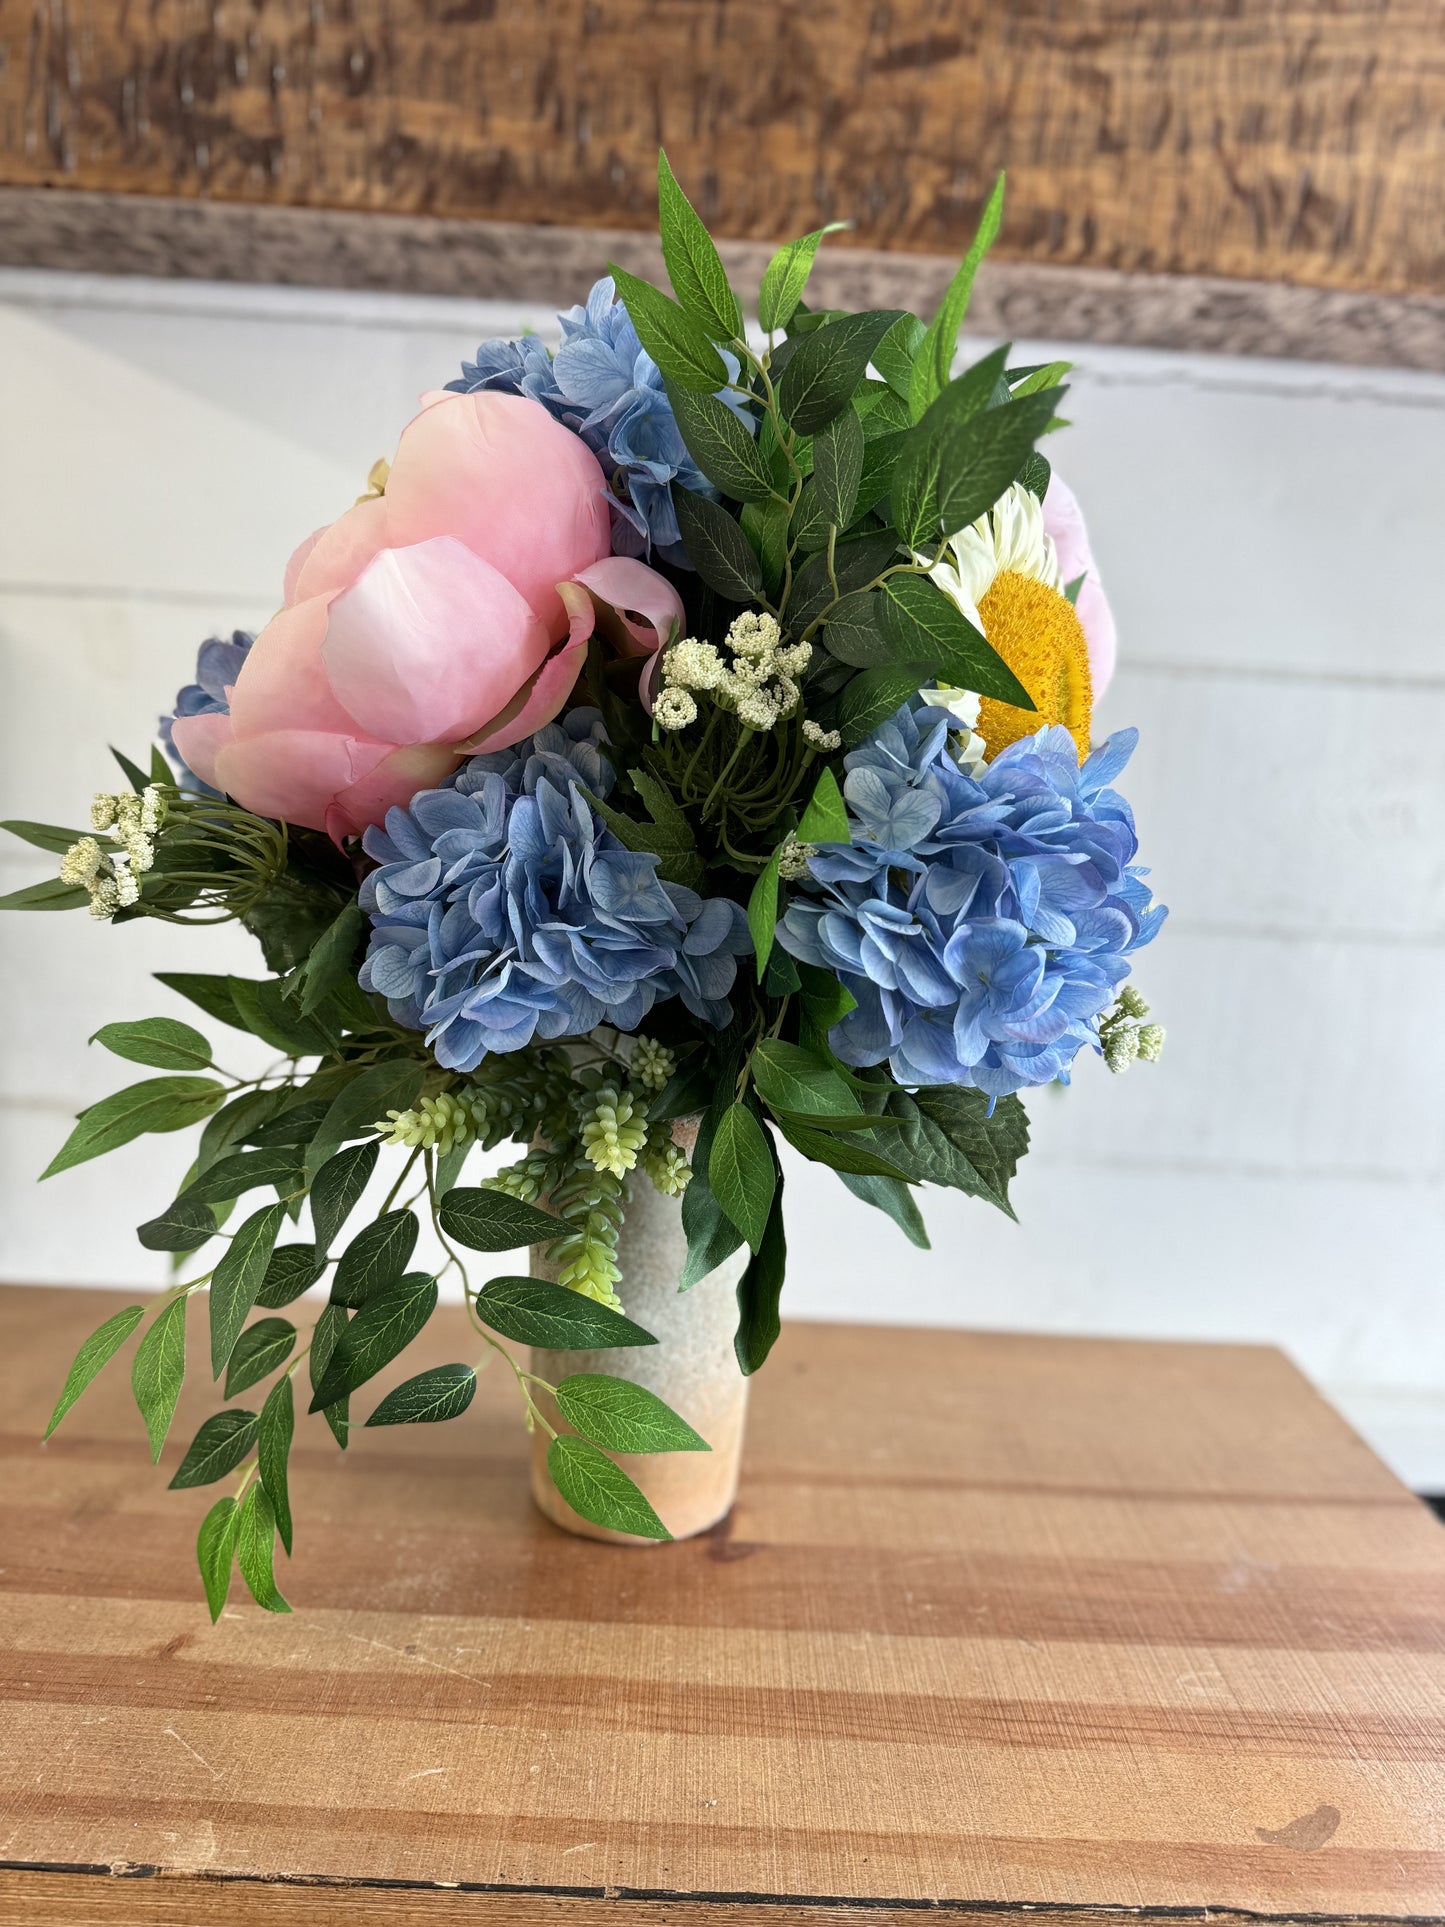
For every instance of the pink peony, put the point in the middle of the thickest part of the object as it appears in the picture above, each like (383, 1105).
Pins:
(1064, 521)
(449, 615)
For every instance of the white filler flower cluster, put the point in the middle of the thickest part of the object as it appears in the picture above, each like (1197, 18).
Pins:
(757, 677)
(135, 822)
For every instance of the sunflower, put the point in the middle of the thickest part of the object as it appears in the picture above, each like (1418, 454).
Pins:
(1003, 573)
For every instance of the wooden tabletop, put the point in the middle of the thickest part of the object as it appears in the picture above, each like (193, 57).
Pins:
(1018, 1625)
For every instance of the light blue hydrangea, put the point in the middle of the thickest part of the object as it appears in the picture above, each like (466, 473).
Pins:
(218, 663)
(983, 925)
(605, 386)
(503, 909)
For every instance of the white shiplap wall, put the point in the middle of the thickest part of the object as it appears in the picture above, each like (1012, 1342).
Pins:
(1270, 535)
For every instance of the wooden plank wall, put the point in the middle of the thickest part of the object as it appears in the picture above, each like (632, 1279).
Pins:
(1272, 140)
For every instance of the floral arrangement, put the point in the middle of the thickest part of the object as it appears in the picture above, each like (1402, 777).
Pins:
(689, 723)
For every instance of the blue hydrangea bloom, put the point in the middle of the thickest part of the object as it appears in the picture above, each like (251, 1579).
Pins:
(504, 910)
(218, 663)
(605, 386)
(982, 925)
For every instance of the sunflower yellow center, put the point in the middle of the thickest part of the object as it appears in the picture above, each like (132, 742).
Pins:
(1038, 633)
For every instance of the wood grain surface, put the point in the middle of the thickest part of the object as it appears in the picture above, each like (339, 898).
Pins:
(1002, 1623)
(1296, 140)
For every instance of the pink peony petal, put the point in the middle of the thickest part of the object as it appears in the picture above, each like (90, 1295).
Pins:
(546, 695)
(294, 774)
(334, 557)
(430, 643)
(1064, 521)
(395, 779)
(620, 583)
(299, 558)
(522, 492)
(199, 740)
(283, 683)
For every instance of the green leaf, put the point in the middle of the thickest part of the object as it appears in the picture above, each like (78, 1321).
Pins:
(856, 564)
(327, 1333)
(491, 1221)
(270, 1016)
(950, 1139)
(442, 1393)
(1035, 476)
(711, 1234)
(598, 1490)
(895, 354)
(159, 1367)
(677, 343)
(218, 1448)
(838, 467)
(97, 1351)
(927, 626)
(133, 773)
(825, 820)
(1029, 381)
(854, 634)
(550, 1316)
(697, 275)
(824, 998)
(235, 1121)
(839, 1153)
(273, 1453)
(624, 1417)
(763, 913)
(48, 836)
(721, 446)
(237, 1279)
(211, 994)
(790, 1079)
(259, 1350)
(215, 1548)
(385, 1325)
(933, 362)
(811, 523)
(244, 1171)
(330, 962)
(819, 380)
(336, 1188)
(449, 1165)
(355, 1110)
(157, 1104)
(375, 1258)
(182, 1226)
(765, 525)
(717, 548)
(160, 1041)
(888, 1194)
(872, 697)
(759, 1291)
(983, 456)
(255, 1549)
(291, 1269)
(741, 1172)
(51, 894)
(786, 276)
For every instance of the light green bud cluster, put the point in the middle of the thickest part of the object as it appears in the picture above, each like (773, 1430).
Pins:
(793, 859)
(758, 678)
(1124, 1037)
(525, 1180)
(592, 1204)
(613, 1131)
(652, 1064)
(435, 1124)
(665, 1162)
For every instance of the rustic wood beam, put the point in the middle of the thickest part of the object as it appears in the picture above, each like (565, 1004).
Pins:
(1266, 140)
(230, 241)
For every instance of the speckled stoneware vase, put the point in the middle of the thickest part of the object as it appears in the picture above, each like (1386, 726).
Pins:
(692, 1366)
